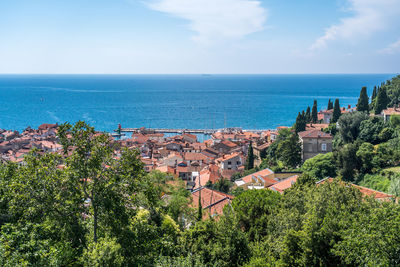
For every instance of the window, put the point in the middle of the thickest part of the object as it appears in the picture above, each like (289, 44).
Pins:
(229, 162)
(323, 147)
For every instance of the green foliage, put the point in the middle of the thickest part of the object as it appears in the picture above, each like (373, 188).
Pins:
(372, 237)
(363, 100)
(320, 166)
(106, 252)
(336, 111)
(395, 121)
(376, 182)
(394, 187)
(365, 154)
(346, 161)
(252, 210)
(381, 101)
(374, 93)
(289, 151)
(314, 112)
(219, 243)
(250, 158)
(370, 130)
(300, 124)
(330, 105)
(308, 115)
(222, 185)
(349, 125)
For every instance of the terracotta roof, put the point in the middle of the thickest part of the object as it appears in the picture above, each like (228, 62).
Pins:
(212, 201)
(314, 134)
(263, 146)
(391, 111)
(364, 190)
(263, 173)
(251, 135)
(190, 135)
(316, 126)
(229, 143)
(284, 184)
(195, 156)
(227, 157)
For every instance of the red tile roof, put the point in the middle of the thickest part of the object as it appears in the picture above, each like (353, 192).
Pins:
(314, 134)
(391, 111)
(212, 201)
(284, 184)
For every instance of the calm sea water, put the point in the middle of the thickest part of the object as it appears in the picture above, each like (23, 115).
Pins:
(172, 101)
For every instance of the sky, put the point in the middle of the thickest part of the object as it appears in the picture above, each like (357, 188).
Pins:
(199, 36)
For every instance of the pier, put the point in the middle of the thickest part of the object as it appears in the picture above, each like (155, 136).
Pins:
(181, 131)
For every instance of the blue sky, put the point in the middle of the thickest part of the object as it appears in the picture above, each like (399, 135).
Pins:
(199, 36)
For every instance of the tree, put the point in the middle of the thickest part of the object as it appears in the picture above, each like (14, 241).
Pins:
(217, 243)
(346, 161)
(104, 184)
(252, 210)
(308, 115)
(300, 124)
(381, 102)
(365, 154)
(395, 120)
(394, 187)
(330, 105)
(362, 104)
(320, 166)
(349, 125)
(373, 94)
(314, 112)
(336, 111)
(370, 130)
(250, 157)
(289, 151)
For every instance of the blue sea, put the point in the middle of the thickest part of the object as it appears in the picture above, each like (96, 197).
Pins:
(172, 101)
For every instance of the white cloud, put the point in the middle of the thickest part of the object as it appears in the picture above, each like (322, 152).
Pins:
(370, 16)
(391, 48)
(215, 20)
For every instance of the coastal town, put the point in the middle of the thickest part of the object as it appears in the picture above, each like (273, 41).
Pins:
(199, 164)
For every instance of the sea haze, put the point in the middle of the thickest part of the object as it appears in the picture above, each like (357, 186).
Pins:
(172, 101)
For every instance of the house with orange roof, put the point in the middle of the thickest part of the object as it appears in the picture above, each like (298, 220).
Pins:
(325, 115)
(212, 201)
(314, 142)
(316, 126)
(258, 180)
(386, 113)
(190, 138)
(259, 150)
(230, 162)
(226, 146)
(284, 184)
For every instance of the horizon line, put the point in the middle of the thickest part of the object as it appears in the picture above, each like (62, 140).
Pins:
(210, 74)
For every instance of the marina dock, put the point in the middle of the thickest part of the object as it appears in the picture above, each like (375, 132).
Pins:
(180, 131)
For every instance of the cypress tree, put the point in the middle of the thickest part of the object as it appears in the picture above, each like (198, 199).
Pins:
(308, 115)
(300, 124)
(330, 105)
(381, 101)
(336, 111)
(200, 210)
(362, 104)
(373, 93)
(314, 112)
(250, 158)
